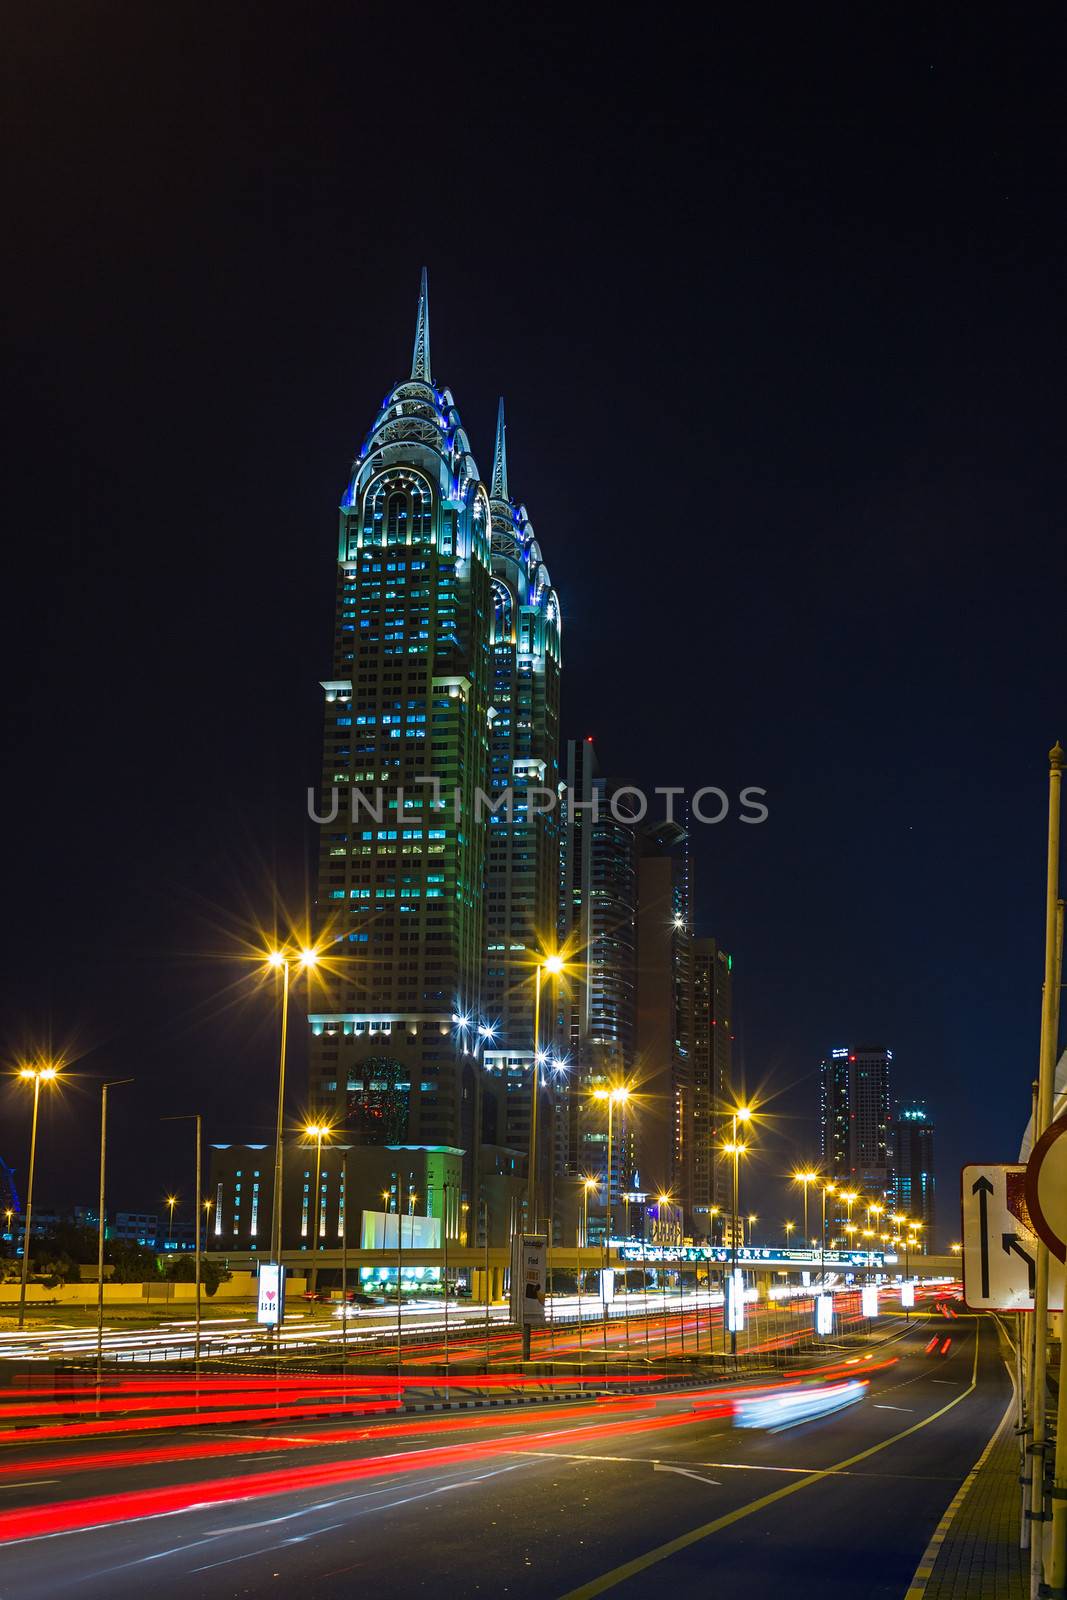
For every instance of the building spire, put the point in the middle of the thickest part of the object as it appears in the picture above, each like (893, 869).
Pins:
(499, 490)
(420, 356)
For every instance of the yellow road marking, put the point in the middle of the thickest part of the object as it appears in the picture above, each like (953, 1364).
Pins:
(630, 1569)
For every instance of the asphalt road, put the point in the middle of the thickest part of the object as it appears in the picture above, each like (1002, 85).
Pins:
(539, 1501)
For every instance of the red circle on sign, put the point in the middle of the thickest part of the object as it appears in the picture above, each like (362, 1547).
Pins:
(1054, 1131)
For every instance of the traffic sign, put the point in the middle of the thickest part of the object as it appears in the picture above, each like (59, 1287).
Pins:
(1000, 1242)
(1046, 1187)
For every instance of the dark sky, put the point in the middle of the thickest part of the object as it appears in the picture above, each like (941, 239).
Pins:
(778, 312)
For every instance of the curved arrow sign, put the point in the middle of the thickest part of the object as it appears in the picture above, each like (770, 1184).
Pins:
(1046, 1188)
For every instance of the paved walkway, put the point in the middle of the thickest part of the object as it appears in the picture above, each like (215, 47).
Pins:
(974, 1553)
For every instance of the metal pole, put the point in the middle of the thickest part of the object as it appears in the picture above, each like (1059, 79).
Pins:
(318, 1202)
(1045, 1095)
(100, 1242)
(535, 1081)
(29, 1201)
(607, 1234)
(344, 1255)
(276, 1215)
(728, 1305)
(444, 1226)
(199, 1219)
(1057, 1564)
(399, 1269)
(485, 1203)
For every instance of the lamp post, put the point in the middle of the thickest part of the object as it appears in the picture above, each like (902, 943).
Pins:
(735, 1149)
(789, 1227)
(100, 1226)
(317, 1131)
(553, 965)
(199, 1206)
(805, 1179)
(36, 1075)
(280, 961)
(587, 1184)
(827, 1188)
(170, 1202)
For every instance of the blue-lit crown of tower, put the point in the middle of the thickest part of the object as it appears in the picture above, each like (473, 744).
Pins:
(415, 474)
(526, 607)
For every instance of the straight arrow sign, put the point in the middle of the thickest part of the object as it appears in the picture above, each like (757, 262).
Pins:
(983, 1189)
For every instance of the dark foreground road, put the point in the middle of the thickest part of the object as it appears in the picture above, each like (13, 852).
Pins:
(638, 1497)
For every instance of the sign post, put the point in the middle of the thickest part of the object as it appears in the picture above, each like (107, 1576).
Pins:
(271, 1306)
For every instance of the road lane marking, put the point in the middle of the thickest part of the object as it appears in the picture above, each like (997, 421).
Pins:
(877, 1407)
(28, 1483)
(684, 1472)
(630, 1569)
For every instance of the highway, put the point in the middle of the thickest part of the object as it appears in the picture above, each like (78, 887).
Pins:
(630, 1494)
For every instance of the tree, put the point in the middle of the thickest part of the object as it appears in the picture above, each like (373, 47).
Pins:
(182, 1269)
(133, 1263)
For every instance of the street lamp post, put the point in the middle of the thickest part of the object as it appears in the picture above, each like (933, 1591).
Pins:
(38, 1075)
(735, 1149)
(614, 1097)
(805, 1179)
(553, 965)
(100, 1226)
(280, 960)
(171, 1202)
(199, 1207)
(827, 1188)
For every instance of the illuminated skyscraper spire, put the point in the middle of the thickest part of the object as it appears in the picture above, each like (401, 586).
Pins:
(420, 356)
(499, 490)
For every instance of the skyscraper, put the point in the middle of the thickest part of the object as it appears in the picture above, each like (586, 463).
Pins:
(598, 921)
(913, 1166)
(711, 1077)
(406, 746)
(664, 1040)
(522, 868)
(854, 1116)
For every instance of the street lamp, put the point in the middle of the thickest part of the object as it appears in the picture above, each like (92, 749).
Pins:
(317, 1131)
(789, 1229)
(736, 1150)
(613, 1097)
(587, 1184)
(36, 1075)
(170, 1202)
(752, 1220)
(553, 965)
(281, 961)
(806, 1179)
(101, 1227)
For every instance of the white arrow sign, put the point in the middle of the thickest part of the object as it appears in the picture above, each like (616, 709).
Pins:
(999, 1243)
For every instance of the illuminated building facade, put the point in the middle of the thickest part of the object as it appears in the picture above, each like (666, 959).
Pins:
(913, 1166)
(523, 841)
(664, 1015)
(854, 1116)
(406, 746)
(712, 1080)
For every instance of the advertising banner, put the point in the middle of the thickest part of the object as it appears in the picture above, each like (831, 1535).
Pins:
(529, 1279)
(271, 1293)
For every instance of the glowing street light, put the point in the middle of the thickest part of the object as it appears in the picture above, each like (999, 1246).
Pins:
(317, 1131)
(587, 1185)
(170, 1202)
(281, 960)
(553, 964)
(617, 1096)
(36, 1075)
(806, 1178)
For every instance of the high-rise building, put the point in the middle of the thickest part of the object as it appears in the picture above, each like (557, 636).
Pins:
(712, 1079)
(913, 1166)
(522, 866)
(854, 1116)
(664, 1038)
(406, 747)
(598, 923)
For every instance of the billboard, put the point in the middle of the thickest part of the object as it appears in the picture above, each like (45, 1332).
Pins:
(735, 1301)
(869, 1300)
(271, 1307)
(824, 1313)
(529, 1279)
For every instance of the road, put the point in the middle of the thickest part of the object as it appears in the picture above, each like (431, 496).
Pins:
(562, 1500)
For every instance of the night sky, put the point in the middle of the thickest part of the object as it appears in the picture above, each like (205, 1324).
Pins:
(778, 314)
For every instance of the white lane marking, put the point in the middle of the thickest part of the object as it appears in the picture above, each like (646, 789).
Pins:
(684, 1472)
(877, 1407)
(28, 1483)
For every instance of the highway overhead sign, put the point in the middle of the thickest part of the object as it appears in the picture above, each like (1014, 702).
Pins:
(1000, 1242)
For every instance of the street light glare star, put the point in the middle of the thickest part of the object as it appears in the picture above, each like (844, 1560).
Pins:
(553, 964)
(276, 959)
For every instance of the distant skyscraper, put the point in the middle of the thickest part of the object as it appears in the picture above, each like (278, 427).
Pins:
(663, 1130)
(598, 917)
(854, 1116)
(712, 1078)
(522, 870)
(913, 1166)
(401, 880)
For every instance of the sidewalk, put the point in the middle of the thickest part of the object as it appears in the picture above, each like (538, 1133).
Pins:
(974, 1553)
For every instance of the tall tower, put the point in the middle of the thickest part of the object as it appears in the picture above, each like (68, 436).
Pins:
(712, 1079)
(854, 1116)
(598, 921)
(402, 854)
(522, 873)
(664, 1009)
(913, 1166)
